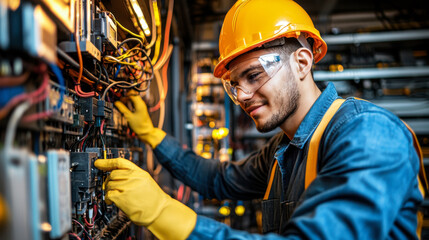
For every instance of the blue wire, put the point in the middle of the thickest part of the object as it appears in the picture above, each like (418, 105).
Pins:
(117, 71)
(56, 70)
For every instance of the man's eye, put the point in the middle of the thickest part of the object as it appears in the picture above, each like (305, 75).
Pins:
(252, 77)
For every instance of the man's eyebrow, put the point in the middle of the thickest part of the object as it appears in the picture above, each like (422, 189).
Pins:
(250, 68)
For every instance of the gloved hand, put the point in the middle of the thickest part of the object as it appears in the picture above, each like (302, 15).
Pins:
(140, 122)
(135, 192)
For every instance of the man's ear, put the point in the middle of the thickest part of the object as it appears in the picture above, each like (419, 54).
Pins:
(304, 60)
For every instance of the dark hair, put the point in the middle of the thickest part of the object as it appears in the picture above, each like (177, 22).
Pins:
(286, 46)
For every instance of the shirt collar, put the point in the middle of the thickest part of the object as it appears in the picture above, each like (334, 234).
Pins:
(314, 116)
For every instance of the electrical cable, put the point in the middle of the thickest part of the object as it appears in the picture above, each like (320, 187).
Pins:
(32, 97)
(75, 235)
(157, 48)
(49, 112)
(130, 40)
(164, 78)
(86, 232)
(162, 103)
(129, 32)
(165, 58)
(60, 78)
(152, 14)
(180, 192)
(13, 123)
(103, 143)
(103, 97)
(10, 81)
(168, 49)
(127, 85)
(83, 138)
(168, 27)
(74, 64)
(77, 88)
(161, 92)
(89, 225)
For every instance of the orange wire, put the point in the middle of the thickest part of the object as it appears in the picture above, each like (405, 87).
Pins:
(165, 84)
(167, 29)
(77, 88)
(164, 52)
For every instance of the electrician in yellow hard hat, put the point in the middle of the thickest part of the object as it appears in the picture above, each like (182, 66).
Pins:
(340, 169)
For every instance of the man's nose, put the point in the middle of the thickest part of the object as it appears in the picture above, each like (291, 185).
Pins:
(243, 96)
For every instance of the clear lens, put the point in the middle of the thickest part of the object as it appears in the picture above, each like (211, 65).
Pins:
(250, 75)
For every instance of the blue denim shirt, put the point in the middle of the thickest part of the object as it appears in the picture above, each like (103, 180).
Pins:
(366, 187)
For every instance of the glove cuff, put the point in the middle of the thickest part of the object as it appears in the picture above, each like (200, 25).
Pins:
(176, 221)
(154, 138)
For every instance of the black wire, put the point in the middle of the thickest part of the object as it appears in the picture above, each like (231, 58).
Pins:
(129, 69)
(88, 140)
(100, 74)
(106, 74)
(150, 62)
(80, 140)
(102, 140)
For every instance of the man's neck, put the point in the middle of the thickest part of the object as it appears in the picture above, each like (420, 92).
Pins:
(306, 101)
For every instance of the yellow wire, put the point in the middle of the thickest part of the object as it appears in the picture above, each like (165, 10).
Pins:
(128, 31)
(157, 48)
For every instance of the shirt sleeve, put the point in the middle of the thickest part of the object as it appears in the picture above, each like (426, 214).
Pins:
(214, 179)
(207, 228)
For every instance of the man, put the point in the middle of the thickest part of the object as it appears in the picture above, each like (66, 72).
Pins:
(339, 170)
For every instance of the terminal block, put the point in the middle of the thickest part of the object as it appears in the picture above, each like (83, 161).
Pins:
(83, 176)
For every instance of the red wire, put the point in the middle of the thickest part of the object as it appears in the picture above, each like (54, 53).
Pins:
(102, 126)
(75, 235)
(34, 97)
(180, 192)
(90, 225)
(95, 212)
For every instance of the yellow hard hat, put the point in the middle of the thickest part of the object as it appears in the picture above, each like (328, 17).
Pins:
(251, 23)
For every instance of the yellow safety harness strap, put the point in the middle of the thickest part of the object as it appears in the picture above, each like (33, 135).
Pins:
(313, 151)
(270, 183)
(423, 182)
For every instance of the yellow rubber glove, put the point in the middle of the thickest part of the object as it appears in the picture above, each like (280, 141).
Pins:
(140, 122)
(135, 192)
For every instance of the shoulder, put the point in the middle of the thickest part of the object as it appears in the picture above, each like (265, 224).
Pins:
(363, 130)
(364, 115)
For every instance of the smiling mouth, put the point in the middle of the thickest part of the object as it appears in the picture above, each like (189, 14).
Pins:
(251, 109)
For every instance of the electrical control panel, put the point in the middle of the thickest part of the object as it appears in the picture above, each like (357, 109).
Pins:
(63, 65)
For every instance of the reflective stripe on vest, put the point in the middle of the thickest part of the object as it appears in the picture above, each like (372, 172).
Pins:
(313, 151)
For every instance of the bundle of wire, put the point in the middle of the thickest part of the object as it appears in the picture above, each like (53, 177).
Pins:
(38, 95)
(131, 57)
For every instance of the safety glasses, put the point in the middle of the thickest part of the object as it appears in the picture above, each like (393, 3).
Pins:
(250, 75)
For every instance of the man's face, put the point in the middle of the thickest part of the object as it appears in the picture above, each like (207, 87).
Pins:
(274, 102)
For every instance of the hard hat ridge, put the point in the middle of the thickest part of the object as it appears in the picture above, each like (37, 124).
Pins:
(250, 24)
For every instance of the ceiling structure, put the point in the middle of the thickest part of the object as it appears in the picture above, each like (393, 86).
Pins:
(326, 14)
